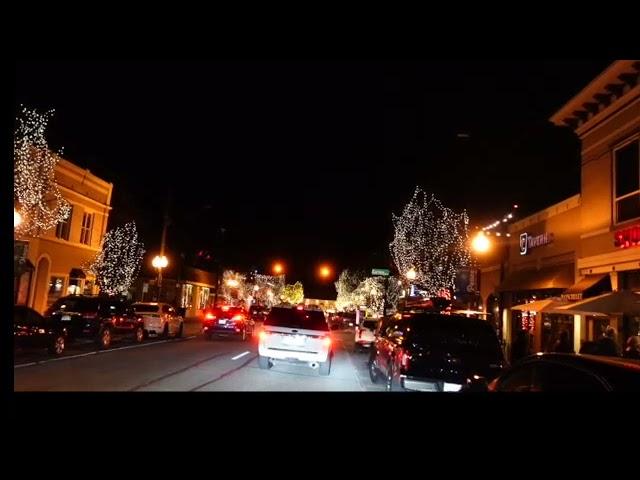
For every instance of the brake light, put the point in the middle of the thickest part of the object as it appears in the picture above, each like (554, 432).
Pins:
(326, 341)
(210, 316)
(299, 307)
(263, 335)
(405, 360)
(225, 308)
(238, 317)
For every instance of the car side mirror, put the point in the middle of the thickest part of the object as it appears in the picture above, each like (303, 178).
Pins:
(477, 384)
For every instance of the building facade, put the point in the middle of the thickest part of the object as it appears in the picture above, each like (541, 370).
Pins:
(52, 265)
(589, 243)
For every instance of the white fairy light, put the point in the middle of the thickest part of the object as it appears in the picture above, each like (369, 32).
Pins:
(432, 239)
(117, 263)
(36, 196)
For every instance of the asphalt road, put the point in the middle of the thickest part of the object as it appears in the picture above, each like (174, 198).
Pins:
(188, 364)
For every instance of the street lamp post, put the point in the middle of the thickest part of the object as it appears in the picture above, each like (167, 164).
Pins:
(159, 262)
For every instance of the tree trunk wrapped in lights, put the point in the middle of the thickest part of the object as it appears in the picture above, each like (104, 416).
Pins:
(432, 240)
(117, 263)
(36, 195)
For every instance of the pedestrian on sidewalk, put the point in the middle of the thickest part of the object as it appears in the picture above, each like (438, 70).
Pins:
(563, 344)
(633, 348)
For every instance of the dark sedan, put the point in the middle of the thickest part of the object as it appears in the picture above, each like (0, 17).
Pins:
(563, 372)
(32, 330)
(431, 352)
(227, 321)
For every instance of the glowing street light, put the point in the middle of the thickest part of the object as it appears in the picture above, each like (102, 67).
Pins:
(325, 271)
(481, 243)
(159, 262)
(278, 269)
(17, 218)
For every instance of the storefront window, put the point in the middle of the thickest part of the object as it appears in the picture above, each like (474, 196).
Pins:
(88, 287)
(552, 325)
(204, 297)
(75, 286)
(187, 296)
(627, 188)
(55, 289)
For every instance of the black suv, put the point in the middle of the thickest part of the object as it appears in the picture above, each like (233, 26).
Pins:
(98, 318)
(435, 352)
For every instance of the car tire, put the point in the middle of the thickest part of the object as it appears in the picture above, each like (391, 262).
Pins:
(57, 346)
(180, 331)
(264, 363)
(325, 367)
(165, 331)
(374, 374)
(104, 338)
(138, 335)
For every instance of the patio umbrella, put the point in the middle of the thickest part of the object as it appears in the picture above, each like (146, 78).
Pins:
(541, 305)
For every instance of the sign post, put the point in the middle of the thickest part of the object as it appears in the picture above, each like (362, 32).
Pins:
(383, 272)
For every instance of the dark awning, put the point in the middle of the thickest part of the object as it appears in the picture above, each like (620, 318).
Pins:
(77, 273)
(557, 277)
(577, 291)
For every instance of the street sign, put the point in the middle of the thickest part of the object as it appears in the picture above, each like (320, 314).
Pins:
(380, 272)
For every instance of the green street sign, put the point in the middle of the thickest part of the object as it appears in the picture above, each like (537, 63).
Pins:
(380, 272)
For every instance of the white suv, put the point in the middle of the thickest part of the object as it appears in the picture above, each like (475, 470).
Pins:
(295, 335)
(160, 319)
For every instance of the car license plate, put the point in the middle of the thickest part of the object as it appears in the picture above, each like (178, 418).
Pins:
(66, 318)
(222, 321)
(294, 340)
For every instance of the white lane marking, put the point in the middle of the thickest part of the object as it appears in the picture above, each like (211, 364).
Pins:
(240, 356)
(24, 365)
(69, 357)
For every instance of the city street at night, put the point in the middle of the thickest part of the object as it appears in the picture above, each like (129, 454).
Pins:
(188, 364)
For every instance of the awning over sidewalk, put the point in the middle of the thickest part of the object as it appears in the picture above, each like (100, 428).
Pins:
(557, 277)
(77, 273)
(612, 303)
(540, 305)
(577, 291)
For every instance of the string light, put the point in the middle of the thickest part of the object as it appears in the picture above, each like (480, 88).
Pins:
(432, 239)
(36, 193)
(117, 263)
(505, 219)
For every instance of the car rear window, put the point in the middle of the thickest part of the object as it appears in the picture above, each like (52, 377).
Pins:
(80, 305)
(292, 318)
(370, 324)
(454, 333)
(146, 308)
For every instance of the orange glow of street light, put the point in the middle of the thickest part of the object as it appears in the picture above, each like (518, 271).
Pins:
(159, 261)
(278, 268)
(481, 243)
(325, 271)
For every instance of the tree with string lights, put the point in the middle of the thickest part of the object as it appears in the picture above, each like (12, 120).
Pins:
(117, 263)
(36, 196)
(430, 240)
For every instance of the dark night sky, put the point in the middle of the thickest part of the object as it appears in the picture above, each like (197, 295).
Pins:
(305, 161)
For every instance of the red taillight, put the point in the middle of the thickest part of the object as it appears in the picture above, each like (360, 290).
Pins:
(225, 308)
(326, 341)
(238, 318)
(405, 360)
(299, 307)
(210, 316)
(263, 335)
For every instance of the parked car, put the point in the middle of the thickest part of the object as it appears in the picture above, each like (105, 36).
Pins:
(97, 318)
(159, 319)
(258, 313)
(32, 330)
(365, 333)
(227, 321)
(295, 335)
(432, 352)
(564, 372)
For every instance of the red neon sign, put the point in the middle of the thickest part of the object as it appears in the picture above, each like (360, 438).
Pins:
(629, 237)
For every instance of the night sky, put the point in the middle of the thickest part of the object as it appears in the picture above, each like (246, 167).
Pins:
(305, 161)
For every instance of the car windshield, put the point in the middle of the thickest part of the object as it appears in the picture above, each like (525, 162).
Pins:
(454, 333)
(293, 318)
(146, 308)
